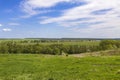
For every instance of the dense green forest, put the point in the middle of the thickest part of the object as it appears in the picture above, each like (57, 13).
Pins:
(56, 46)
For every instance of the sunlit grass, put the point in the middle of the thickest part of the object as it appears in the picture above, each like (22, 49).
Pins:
(47, 67)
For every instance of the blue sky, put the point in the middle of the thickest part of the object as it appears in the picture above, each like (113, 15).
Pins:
(59, 18)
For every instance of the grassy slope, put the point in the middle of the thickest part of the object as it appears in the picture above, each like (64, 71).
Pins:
(40, 67)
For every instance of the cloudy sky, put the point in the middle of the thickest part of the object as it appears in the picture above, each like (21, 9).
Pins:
(60, 18)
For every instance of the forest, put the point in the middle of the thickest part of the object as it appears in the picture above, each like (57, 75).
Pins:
(55, 47)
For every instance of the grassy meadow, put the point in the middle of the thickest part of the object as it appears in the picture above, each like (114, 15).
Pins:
(59, 59)
(54, 67)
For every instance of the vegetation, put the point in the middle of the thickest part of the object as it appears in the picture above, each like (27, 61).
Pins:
(56, 46)
(46, 67)
(109, 44)
(23, 59)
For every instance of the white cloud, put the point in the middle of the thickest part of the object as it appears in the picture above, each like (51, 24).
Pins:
(1, 25)
(107, 21)
(14, 24)
(30, 7)
(81, 18)
(7, 29)
(84, 11)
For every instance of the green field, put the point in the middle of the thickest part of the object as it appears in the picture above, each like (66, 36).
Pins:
(47, 67)
(50, 42)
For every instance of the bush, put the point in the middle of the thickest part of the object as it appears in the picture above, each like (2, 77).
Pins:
(109, 44)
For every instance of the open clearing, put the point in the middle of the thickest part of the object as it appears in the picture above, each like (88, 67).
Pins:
(46, 67)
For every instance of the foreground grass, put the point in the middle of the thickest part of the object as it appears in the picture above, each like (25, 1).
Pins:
(45, 67)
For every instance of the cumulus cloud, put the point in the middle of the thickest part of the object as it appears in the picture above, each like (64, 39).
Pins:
(7, 29)
(14, 24)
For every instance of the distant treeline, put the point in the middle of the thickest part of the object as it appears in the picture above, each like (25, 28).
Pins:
(59, 38)
(35, 47)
